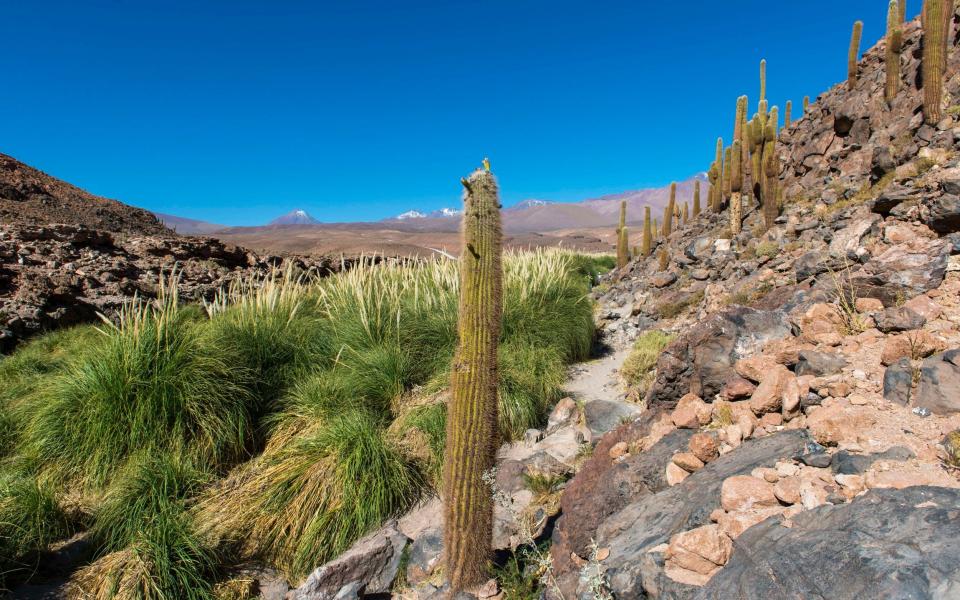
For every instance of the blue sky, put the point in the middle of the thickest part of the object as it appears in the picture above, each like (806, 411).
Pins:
(235, 112)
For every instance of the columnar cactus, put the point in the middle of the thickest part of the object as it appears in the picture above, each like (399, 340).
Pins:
(771, 172)
(696, 199)
(786, 114)
(647, 242)
(903, 11)
(668, 211)
(663, 259)
(806, 104)
(623, 253)
(936, 27)
(472, 421)
(740, 119)
(763, 79)
(686, 213)
(894, 47)
(854, 54)
(736, 185)
(727, 163)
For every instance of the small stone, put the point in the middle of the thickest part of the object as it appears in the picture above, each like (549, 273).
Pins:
(618, 450)
(768, 396)
(838, 389)
(747, 424)
(787, 490)
(818, 459)
(765, 473)
(688, 461)
(755, 368)
(675, 474)
(771, 420)
(898, 319)
(704, 446)
(734, 435)
(488, 589)
(737, 388)
(924, 306)
(868, 305)
(787, 469)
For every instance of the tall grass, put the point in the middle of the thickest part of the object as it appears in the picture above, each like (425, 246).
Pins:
(282, 423)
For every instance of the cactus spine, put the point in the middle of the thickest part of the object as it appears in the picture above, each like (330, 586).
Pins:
(623, 254)
(647, 242)
(853, 54)
(696, 199)
(894, 47)
(472, 421)
(936, 25)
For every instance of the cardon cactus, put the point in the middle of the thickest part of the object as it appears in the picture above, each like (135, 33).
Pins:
(686, 213)
(936, 26)
(854, 54)
(740, 119)
(668, 211)
(623, 253)
(771, 171)
(696, 199)
(736, 185)
(472, 421)
(894, 47)
(647, 241)
(786, 114)
(727, 160)
(903, 11)
(806, 104)
(663, 259)
(763, 79)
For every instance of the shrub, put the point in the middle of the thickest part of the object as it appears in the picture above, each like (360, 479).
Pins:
(638, 368)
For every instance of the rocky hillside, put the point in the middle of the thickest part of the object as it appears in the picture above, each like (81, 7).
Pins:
(31, 197)
(798, 436)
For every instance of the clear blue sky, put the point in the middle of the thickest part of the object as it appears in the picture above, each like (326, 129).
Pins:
(235, 112)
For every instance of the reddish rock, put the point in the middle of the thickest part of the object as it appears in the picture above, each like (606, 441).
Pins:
(743, 492)
(737, 388)
(704, 446)
(688, 461)
(787, 490)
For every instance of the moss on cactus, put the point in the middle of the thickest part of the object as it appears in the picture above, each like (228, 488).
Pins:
(472, 430)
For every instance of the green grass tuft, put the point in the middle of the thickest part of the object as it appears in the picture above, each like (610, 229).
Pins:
(638, 368)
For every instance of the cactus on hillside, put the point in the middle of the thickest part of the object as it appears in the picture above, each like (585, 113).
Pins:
(686, 213)
(663, 259)
(763, 80)
(656, 229)
(894, 47)
(806, 104)
(472, 421)
(647, 242)
(771, 172)
(854, 54)
(668, 211)
(736, 185)
(903, 11)
(740, 119)
(623, 253)
(786, 114)
(727, 159)
(696, 199)
(936, 28)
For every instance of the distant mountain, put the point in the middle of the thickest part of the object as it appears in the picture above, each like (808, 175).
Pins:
(185, 226)
(530, 204)
(295, 217)
(434, 214)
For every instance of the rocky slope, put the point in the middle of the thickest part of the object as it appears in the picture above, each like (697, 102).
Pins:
(799, 438)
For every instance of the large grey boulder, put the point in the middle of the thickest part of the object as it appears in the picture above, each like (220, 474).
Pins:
(904, 270)
(939, 389)
(888, 544)
(368, 567)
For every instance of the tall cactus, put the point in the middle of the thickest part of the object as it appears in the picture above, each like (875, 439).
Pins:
(854, 54)
(771, 172)
(727, 163)
(936, 27)
(663, 259)
(903, 11)
(472, 420)
(894, 47)
(806, 104)
(686, 213)
(668, 211)
(696, 199)
(736, 185)
(763, 80)
(623, 254)
(647, 242)
(786, 114)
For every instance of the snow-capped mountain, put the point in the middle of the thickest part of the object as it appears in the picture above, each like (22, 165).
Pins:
(434, 214)
(530, 204)
(295, 217)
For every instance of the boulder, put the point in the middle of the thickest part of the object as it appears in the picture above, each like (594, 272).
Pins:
(898, 382)
(885, 544)
(651, 516)
(942, 214)
(898, 319)
(906, 269)
(847, 244)
(368, 567)
(939, 388)
(701, 361)
(819, 364)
